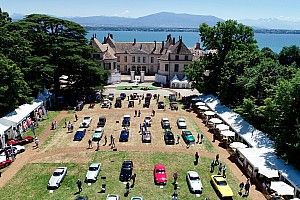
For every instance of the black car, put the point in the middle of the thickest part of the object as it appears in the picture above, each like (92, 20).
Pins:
(126, 171)
(101, 122)
(161, 105)
(169, 137)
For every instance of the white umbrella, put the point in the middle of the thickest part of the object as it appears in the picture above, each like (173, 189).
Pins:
(295, 199)
(200, 103)
(268, 172)
(228, 133)
(222, 127)
(209, 113)
(237, 145)
(203, 108)
(282, 188)
(215, 120)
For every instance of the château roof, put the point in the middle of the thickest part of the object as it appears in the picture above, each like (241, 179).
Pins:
(138, 47)
(179, 48)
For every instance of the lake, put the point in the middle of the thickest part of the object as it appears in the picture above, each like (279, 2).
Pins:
(273, 41)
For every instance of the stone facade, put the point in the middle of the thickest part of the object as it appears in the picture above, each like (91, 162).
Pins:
(166, 58)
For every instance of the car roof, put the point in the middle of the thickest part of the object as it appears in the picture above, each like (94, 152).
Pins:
(99, 129)
(126, 116)
(193, 173)
(165, 118)
(102, 117)
(81, 129)
(95, 164)
(219, 178)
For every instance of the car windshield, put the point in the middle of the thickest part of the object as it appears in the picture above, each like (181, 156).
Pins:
(93, 168)
(194, 178)
(222, 183)
(160, 171)
(181, 120)
(57, 173)
(86, 118)
(187, 133)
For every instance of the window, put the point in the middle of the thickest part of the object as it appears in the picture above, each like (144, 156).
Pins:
(186, 58)
(133, 68)
(177, 57)
(158, 67)
(118, 67)
(152, 59)
(144, 59)
(118, 58)
(126, 69)
(133, 59)
(176, 68)
(139, 59)
(125, 58)
(166, 67)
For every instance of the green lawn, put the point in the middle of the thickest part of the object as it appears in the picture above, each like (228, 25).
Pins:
(43, 124)
(121, 87)
(31, 181)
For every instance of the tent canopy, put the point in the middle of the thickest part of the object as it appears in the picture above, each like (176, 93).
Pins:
(209, 113)
(215, 120)
(222, 127)
(282, 188)
(175, 79)
(237, 145)
(203, 108)
(19, 114)
(268, 172)
(227, 133)
(200, 103)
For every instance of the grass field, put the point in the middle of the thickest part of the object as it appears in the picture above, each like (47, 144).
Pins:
(31, 181)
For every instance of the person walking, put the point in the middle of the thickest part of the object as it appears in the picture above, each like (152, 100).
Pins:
(175, 176)
(98, 145)
(217, 159)
(76, 117)
(196, 158)
(90, 144)
(241, 188)
(133, 177)
(36, 141)
(135, 113)
(65, 123)
(224, 171)
(220, 169)
(140, 101)
(201, 138)
(247, 187)
(79, 185)
(111, 140)
(178, 138)
(55, 124)
(212, 166)
(198, 138)
(105, 140)
(141, 127)
(127, 188)
(139, 113)
(113, 145)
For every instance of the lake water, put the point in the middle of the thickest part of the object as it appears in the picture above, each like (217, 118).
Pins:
(273, 41)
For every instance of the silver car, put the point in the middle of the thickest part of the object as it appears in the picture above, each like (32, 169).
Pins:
(93, 172)
(113, 197)
(181, 123)
(57, 177)
(194, 182)
(86, 122)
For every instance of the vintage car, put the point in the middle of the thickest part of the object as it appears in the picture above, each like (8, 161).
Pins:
(181, 123)
(148, 121)
(146, 137)
(169, 137)
(57, 177)
(160, 174)
(124, 135)
(160, 105)
(188, 137)
(22, 141)
(165, 123)
(173, 106)
(97, 134)
(80, 133)
(126, 171)
(86, 122)
(126, 120)
(93, 172)
(113, 197)
(101, 121)
(221, 186)
(194, 182)
(106, 103)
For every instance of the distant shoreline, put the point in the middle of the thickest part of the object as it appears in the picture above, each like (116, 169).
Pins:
(166, 29)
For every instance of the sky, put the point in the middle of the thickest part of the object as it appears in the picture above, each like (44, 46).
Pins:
(225, 9)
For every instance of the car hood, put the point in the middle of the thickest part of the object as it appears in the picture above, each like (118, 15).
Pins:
(53, 180)
(91, 175)
(225, 191)
(97, 135)
(161, 177)
(190, 138)
(196, 185)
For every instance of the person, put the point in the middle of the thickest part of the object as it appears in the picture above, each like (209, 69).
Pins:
(113, 143)
(241, 188)
(153, 113)
(90, 144)
(0, 174)
(76, 117)
(55, 124)
(201, 138)
(65, 123)
(69, 127)
(52, 125)
(247, 187)
(105, 140)
(141, 127)
(217, 159)
(140, 101)
(133, 180)
(127, 188)
(79, 185)
(224, 171)
(212, 166)
(196, 158)
(135, 113)
(139, 114)
(98, 145)
(175, 176)
(111, 139)
(220, 168)
(72, 127)
(178, 138)
(175, 186)
(174, 195)
(198, 138)
(36, 141)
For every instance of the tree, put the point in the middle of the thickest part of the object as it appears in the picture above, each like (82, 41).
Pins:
(269, 53)
(4, 18)
(288, 55)
(13, 89)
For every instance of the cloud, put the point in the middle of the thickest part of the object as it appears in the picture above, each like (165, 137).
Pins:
(125, 13)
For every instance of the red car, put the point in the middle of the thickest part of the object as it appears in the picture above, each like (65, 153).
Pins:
(160, 174)
(5, 163)
(24, 140)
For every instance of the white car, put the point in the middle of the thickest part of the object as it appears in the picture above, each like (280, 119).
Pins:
(194, 182)
(113, 197)
(57, 177)
(181, 123)
(86, 122)
(165, 123)
(148, 121)
(136, 198)
(106, 103)
(93, 172)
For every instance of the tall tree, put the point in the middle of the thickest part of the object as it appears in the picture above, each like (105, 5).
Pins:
(288, 55)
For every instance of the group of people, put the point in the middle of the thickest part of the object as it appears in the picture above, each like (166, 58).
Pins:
(128, 186)
(244, 188)
(137, 113)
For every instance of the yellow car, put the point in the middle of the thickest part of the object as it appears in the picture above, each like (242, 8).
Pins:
(220, 184)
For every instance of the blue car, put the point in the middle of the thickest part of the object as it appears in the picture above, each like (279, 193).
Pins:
(124, 135)
(80, 133)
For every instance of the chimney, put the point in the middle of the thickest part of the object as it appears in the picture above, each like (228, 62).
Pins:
(134, 41)
(173, 41)
(111, 36)
(104, 41)
(162, 46)
(141, 46)
(197, 46)
(95, 35)
(154, 45)
(180, 38)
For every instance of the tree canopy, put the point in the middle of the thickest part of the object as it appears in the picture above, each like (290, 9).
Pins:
(259, 84)
(44, 48)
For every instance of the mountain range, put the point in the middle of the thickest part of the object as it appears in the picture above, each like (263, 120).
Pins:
(173, 20)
